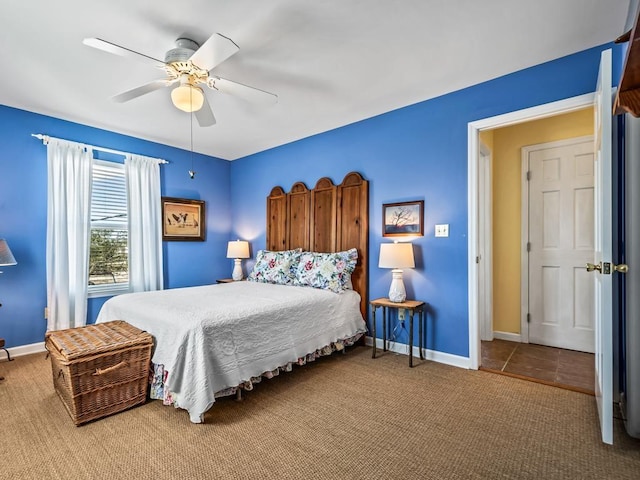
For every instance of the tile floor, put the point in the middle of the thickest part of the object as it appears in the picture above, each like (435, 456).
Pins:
(553, 366)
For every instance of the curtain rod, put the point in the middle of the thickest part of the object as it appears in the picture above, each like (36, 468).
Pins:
(45, 139)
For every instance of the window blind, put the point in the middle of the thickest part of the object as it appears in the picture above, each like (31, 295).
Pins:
(108, 256)
(108, 196)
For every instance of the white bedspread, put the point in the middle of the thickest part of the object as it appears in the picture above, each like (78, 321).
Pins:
(213, 337)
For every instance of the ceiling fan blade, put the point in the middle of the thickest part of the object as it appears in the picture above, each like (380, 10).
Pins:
(214, 51)
(245, 92)
(205, 114)
(121, 51)
(141, 90)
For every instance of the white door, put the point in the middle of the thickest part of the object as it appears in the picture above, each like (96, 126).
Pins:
(603, 250)
(561, 243)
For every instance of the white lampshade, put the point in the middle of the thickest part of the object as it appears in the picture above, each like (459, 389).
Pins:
(237, 250)
(6, 257)
(396, 256)
(187, 98)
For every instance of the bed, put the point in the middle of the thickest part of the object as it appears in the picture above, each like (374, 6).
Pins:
(305, 298)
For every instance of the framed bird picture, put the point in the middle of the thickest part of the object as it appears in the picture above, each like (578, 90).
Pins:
(182, 219)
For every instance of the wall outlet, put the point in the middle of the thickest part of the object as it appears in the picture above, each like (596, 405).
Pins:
(442, 230)
(46, 312)
(401, 316)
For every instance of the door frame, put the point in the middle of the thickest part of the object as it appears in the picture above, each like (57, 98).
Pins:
(524, 233)
(485, 245)
(473, 192)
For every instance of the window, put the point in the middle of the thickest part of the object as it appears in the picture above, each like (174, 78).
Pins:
(108, 254)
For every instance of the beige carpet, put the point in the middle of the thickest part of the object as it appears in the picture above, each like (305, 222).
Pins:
(343, 417)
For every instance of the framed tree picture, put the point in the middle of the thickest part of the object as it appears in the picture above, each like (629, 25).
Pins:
(182, 219)
(403, 219)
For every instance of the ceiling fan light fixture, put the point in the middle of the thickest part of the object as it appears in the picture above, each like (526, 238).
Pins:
(187, 98)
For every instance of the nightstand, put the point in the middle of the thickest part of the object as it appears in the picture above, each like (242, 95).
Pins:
(412, 306)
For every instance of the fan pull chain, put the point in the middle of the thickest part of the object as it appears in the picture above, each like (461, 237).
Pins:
(192, 173)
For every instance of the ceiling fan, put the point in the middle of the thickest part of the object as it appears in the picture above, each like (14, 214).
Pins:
(188, 65)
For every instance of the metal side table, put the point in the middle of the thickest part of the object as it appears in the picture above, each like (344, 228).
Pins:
(412, 306)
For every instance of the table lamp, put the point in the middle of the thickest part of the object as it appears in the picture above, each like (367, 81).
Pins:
(6, 257)
(237, 250)
(396, 256)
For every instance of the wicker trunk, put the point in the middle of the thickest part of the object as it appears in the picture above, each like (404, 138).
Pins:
(100, 369)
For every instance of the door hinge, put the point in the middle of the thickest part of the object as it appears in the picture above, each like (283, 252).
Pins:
(528, 318)
(528, 175)
(528, 246)
(478, 259)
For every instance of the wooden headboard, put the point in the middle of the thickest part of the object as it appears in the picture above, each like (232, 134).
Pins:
(328, 218)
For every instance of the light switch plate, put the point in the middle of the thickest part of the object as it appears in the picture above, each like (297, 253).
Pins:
(442, 230)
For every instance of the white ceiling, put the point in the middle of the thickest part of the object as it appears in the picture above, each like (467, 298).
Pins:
(331, 62)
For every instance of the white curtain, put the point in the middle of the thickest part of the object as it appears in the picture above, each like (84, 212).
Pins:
(70, 167)
(145, 223)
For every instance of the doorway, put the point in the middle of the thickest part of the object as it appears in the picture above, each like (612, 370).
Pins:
(477, 317)
(543, 237)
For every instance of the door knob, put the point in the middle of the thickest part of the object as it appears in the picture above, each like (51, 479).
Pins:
(591, 267)
(622, 268)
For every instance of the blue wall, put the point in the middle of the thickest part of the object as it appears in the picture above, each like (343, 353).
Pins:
(415, 153)
(23, 215)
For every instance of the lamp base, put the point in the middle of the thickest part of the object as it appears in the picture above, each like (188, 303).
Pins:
(397, 293)
(237, 270)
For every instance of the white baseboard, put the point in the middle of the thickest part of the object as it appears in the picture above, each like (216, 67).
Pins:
(511, 337)
(433, 355)
(26, 349)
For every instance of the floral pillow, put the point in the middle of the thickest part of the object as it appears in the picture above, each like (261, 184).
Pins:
(329, 271)
(275, 267)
